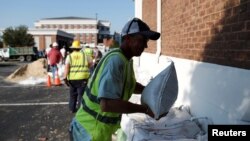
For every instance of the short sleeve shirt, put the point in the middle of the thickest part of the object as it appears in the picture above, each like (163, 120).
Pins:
(112, 79)
(67, 61)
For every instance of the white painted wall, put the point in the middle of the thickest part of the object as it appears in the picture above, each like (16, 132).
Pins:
(218, 92)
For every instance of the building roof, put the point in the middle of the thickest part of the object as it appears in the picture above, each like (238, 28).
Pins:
(69, 18)
(72, 20)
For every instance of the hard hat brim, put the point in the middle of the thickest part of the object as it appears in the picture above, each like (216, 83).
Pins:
(76, 47)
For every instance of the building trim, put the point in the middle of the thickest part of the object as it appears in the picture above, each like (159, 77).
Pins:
(50, 32)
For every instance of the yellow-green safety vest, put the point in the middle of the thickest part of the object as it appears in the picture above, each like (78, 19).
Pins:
(89, 52)
(100, 125)
(78, 66)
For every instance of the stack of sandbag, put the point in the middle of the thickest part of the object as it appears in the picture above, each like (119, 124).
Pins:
(61, 68)
(161, 92)
(177, 125)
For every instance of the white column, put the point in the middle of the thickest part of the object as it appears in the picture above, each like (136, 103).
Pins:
(158, 50)
(138, 14)
(138, 9)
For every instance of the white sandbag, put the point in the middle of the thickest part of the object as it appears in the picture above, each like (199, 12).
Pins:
(161, 92)
(177, 125)
(60, 69)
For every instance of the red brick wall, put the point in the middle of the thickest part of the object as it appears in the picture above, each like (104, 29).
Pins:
(150, 17)
(42, 42)
(53, 38)
(214, 31)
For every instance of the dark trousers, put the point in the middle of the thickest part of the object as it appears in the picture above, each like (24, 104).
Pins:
(77, 88)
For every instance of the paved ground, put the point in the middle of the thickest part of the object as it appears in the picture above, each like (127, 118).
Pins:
(32, 113)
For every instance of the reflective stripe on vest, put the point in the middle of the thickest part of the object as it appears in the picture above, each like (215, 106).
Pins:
(104, 119)
(78, 66)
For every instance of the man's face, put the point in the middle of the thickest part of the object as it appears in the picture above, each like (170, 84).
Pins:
(137, 44)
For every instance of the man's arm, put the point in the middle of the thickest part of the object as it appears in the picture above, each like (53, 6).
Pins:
(120, 106)
(66, 70)
(60, 56)
(90, 62)
(48, 53)
(138, 88)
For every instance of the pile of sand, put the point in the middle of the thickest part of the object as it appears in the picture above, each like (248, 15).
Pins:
(36, 69)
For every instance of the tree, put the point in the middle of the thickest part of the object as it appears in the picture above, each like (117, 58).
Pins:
(1, 42)
(17, 37)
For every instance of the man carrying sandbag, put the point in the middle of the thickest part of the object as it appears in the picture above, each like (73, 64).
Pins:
(111, 85)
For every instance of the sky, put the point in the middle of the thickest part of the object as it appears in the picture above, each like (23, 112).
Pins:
(25, 12)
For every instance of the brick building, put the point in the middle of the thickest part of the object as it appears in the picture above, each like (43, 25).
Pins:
(209, 42)
(203, 30)
(43, 38)
(87, 30)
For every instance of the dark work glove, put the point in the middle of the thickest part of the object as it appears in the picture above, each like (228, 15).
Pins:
(66, 81)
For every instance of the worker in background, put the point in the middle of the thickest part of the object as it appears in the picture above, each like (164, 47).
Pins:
(97, 57)
(64, 54)
(54, 57)
(47, 50)
(111, 85)
(76, 75)
(90, 54)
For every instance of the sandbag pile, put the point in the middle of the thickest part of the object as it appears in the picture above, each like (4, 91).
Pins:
(177, 125)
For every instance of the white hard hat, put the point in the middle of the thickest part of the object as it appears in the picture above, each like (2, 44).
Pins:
(55, 44)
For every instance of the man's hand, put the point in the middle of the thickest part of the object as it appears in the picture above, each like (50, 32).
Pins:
(149, 112)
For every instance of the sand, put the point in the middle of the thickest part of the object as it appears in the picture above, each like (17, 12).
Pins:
(36, 69)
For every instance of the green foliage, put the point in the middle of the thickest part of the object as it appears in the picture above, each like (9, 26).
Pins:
(1, 42)
(17, 37)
